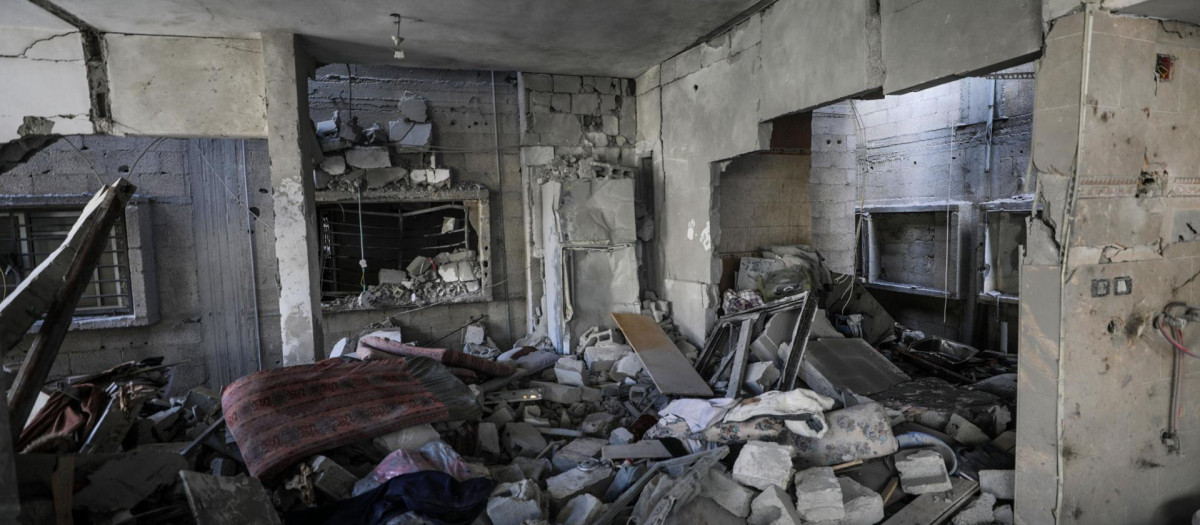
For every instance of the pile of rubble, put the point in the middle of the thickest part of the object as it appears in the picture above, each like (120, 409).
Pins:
(354, 158)
(445, 278)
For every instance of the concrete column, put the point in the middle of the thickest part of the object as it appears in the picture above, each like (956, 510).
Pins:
(290, 142)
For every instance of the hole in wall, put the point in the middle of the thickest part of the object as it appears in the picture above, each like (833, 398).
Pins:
(1163, 67)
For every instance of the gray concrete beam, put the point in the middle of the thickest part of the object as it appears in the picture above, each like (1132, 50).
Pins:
(286, 68)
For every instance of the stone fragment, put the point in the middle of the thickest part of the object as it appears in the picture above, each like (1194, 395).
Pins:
(390, 276)
(370, 157)
(602, 357)
(629, 365)
(729, 494)
(761, 377)
(522, 439)
(376, 178)
(576, 452)
(410, 438)
(398, 129)
(1006, 441)
(501, 416)
(591, 395)
(560, 103)
(487, 442)
(418, 136)
(620, 436)
(570, 371)
(978, 512)
(574, 482)
(334, 165)
(331, 479)
(597, 423)
(534, 469)
(556, 393)
(1004, 515)
(581, 510)
(773, 507)
(349, 130)
(610, 125)
(703, 511)
(321, 179)
(921, 471)
(999, 483)
(510, 473)
(862, 505)
(515, 503)
(438, 177)
(761, 465)
(965, 432)
(414, 109)
(419, 266)
(818, 495)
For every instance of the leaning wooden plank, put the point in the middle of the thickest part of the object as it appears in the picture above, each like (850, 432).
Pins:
(80, 253)
(217, 500)
(671, 372)
(935, 507)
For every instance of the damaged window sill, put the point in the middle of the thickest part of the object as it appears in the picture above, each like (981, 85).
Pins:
(103, 323)
(910, 289)
(350, 305)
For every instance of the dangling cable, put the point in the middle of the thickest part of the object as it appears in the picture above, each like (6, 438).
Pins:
(362, 244)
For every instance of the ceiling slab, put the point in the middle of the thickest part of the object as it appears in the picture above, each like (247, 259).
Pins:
(1181, 10)
(21, 13)
(619, 38)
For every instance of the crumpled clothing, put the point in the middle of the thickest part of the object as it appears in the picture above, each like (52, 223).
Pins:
(433, 495)
(798, 402)
(435, 455)
(734, 302)
(699, 413)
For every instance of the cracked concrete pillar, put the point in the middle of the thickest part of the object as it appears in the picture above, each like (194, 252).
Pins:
(290, 142)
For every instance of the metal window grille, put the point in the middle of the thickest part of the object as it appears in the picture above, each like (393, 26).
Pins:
(392, 235)
(29, 236)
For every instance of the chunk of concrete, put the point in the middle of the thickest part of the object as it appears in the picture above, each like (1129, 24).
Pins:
(859, 432)
(418, 136)
(1004, 515)
(1006, 441)
(597, 423)
(978, 512)
(922, 471)
(390, 276)
(574, 482)
(414, 109)
(999, 483)
(501, 416)
(702, 511)
(376, 178)
(620, 436)
(720, 487)
(761, 377)
(515, 503)
(818, 495)
(128, 478)
(602, 357)
(581, 510)
(534, 469)
(570, 371)
(398, 129)
(629, 365)
(365, 158)
(773, 507)
(576, 452)
(331, 479)
(438, 177)
(965, 432)
(862, 505)
(523, 439)
(556, 393)
(410, 438)
(334, 165)
(487, 439)
(761, 465)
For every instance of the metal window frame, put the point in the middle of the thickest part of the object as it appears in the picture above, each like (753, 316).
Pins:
(477, 198)
(1023, 204)
(139, 256)
(869, 248)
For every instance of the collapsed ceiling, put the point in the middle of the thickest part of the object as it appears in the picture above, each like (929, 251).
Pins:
(619, 38)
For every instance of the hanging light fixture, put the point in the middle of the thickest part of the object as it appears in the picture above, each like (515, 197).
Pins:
(397, 51)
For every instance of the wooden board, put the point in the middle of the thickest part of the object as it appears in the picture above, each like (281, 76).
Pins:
(671, 372)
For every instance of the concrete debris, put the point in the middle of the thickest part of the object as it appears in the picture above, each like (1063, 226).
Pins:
(576, 452)
(574, 482)
(581, 510)
(773, 507)
(1004, 515)
(602, 357)
(377, 178)
(965, 432)
(998, 483)
(522, 439)
(761, 377)
(597, 423)
(620, 436)
(922, 471)
(487, 442)
(556, 393)
(368, 157)
(414, 109)
(720, 487)
(570, 371)
(978, 512)
(331, 479)
(862, 505)
(515, 503)
(818, 495)
(334, 165)
(761, 465)
(629, 366)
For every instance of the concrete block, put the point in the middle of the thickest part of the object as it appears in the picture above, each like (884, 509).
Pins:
(510, 473)
(410, 438)
(534, 469)
(538, 155)
(370, 157)
(629, 365)
(581, 510)
(720, 487)
(862, 505)
(585, 104)
(560, 102)
(563, 129)
(487, 440)
(501, 416)
(399, 129)
(1006, 441)
(620, 436)
(597, 423)
(965, 432)
(591, 395)
(414, 109)
(773, 507)
(576, 452)
(331, 479)
(556, 393)
(570, 371)
(419, 135)
(334, 165)
(602, 357)
(567, 84)
(379, 177)
(922, 471)
(761, 465)
(574, 482)
(515, 503)
(1004, 515)
(999, 483)
(522, 439)
(537, 82)
(761, 377)
(978, 512)
(610, 125)
(818, 495)
(389, 276)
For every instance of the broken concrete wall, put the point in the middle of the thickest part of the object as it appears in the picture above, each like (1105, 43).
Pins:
(176, 180)
(571, 126)
(1095, 393)
(764, 202)
(175, 86)
(42, 76)
(459, 104)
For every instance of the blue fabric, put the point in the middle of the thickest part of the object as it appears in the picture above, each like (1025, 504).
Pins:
(430, 493)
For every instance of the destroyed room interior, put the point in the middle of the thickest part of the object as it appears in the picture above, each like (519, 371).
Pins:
(567, 262)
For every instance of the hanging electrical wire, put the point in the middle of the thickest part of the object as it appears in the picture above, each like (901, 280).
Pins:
(1170, 323)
